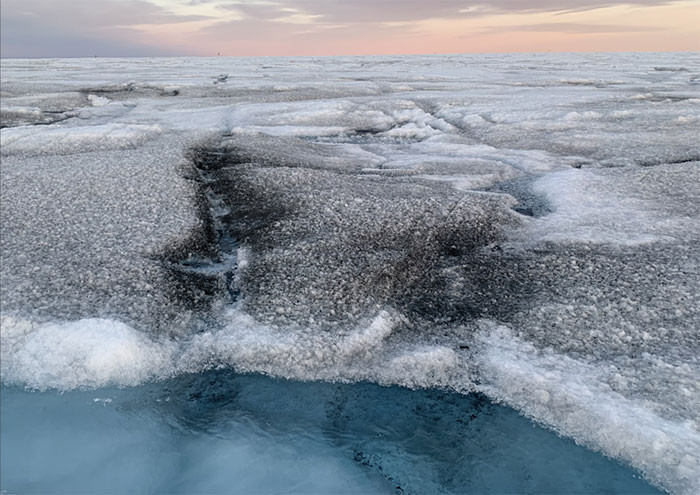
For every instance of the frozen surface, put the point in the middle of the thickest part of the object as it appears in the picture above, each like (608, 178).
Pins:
(522, 226)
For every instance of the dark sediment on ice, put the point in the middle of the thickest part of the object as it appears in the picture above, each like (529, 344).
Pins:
(329, 246)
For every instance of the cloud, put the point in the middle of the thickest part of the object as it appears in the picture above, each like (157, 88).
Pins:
(27, 39)
(257, 36)
(92, 14)
(32, 28)
(577, 28)
(383, 11)
(348, 23)
(55, 28)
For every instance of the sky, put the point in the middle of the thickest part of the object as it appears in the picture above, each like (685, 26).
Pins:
(122, 28)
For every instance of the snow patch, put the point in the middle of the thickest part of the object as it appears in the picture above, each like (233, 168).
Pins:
(588, 208)
(90, 353)
(98, 101)
(95, 352)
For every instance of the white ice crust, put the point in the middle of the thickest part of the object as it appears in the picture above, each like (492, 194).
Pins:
(573, 397)
(98, 352)
(92, 352)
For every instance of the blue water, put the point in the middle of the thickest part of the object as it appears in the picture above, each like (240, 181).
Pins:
(221, 432)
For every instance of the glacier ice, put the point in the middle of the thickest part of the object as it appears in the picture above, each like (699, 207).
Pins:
(525, 226)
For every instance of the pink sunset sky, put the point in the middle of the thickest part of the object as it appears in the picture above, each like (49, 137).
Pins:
(66, 28)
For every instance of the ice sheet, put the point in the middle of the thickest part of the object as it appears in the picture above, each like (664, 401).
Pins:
(505, 223)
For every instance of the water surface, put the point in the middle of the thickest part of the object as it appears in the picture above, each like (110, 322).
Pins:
(225, 433)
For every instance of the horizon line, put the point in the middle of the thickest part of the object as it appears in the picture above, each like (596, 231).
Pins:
(350, 55)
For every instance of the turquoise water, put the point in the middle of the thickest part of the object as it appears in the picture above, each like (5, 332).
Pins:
(225, 433)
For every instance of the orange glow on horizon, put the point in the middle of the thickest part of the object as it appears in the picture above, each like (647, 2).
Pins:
(663, 28)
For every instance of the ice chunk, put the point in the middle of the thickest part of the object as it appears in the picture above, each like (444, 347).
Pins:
(363, 353)
(98, 101)
(86, 353)
(66, 140)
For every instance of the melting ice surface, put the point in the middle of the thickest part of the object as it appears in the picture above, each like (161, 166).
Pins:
(222, 433)
(520, 230)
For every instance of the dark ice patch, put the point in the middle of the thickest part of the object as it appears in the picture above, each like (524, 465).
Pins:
(13, 118)
(529, 203)
(684, 158)
(129, 91)
(334, 247)
(82, 238)
(666, 98)
(671, 69)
